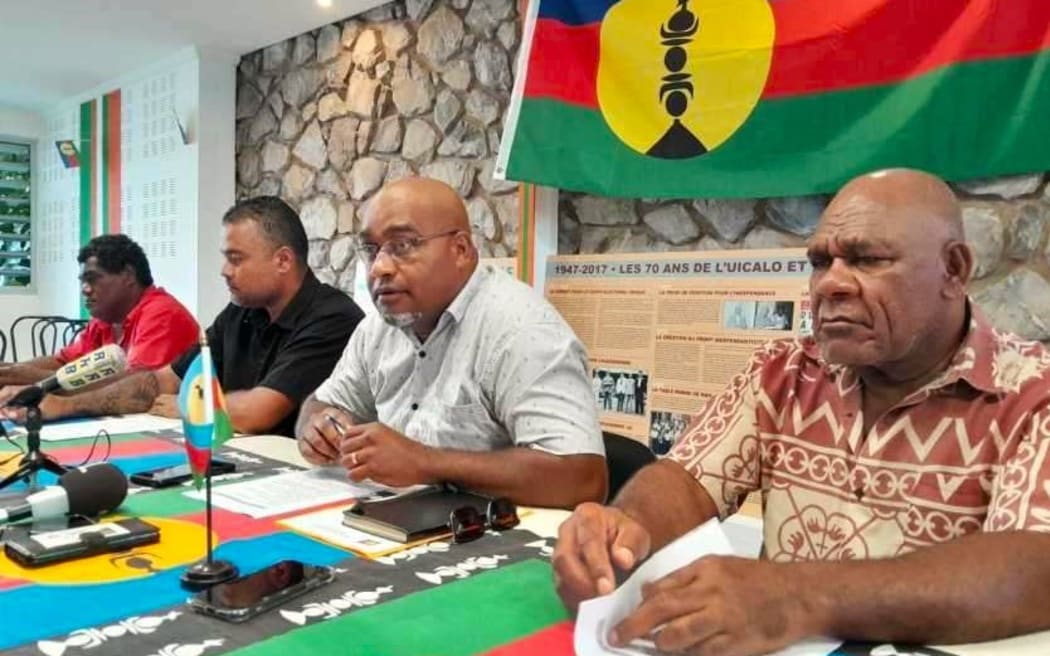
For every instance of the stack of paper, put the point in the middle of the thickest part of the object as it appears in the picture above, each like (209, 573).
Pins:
(296, 490)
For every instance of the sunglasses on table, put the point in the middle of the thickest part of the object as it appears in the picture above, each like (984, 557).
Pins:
(468, 524)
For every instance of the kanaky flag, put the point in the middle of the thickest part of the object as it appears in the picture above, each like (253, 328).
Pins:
(759, 98)
(205, 421)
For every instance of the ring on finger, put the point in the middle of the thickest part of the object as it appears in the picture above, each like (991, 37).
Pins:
(353, 458)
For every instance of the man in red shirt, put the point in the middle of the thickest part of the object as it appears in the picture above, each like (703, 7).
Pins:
(126, 309)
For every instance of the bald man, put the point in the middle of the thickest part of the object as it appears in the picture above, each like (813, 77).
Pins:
(465, 376)
(901, 453)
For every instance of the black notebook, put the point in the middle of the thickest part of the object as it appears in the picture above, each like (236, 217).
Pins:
(411, 516)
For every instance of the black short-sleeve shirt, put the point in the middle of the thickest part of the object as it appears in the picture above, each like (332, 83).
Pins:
(292, 355)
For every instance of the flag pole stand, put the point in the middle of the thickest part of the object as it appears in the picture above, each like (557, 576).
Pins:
(206, 573)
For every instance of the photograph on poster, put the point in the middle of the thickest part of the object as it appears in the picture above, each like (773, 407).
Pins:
(774, 315)
(664, 429)
(617, 390)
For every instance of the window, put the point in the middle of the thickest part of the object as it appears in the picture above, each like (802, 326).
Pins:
(15, 214)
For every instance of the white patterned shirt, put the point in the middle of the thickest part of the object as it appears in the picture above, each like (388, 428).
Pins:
(970, 451)
(501, 369)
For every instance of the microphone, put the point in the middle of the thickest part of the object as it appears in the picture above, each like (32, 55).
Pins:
(100, 364)
(92, 490)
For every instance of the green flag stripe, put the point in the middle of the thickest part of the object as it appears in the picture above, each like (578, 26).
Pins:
(961, 122)
(161, 503)
(458, 618)
(104, 182)
(87, 166)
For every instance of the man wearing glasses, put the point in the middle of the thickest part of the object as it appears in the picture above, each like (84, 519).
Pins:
(465, 376)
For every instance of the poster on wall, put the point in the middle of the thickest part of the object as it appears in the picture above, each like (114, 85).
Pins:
(666, 331)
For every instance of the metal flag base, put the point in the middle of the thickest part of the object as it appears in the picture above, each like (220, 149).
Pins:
(207, 573)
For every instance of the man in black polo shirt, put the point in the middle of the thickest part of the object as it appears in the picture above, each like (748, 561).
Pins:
(272, 345)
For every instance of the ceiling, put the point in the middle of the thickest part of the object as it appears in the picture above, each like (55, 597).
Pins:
(53, 49)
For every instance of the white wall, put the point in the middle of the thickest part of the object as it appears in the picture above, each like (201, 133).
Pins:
(169, 188)
(29, 126)
(216, 189)
(20, 123)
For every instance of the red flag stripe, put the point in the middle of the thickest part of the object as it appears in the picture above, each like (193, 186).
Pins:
(119, 449)
(841, 46)
(234, 526)
(554, 640)
(199, 458)
(8, 584)
(563, 63)
(888, 41)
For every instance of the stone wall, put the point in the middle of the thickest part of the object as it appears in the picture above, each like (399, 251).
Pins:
(421, 86)
(412, 87)
(1006, 222)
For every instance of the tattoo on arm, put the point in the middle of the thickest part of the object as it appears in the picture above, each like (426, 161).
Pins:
(135, 393)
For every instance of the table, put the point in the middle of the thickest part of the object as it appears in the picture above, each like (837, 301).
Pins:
(492, 597)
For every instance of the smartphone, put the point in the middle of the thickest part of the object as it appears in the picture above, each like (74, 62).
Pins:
(168, 476)
(32, 548)
(255, 593)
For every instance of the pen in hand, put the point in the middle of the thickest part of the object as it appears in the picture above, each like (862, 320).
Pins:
(338, 429)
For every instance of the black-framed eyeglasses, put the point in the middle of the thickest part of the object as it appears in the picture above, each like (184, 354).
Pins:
(398, 248)
(468, 524)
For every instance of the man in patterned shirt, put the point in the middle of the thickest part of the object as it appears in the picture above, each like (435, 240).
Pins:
(901, 455)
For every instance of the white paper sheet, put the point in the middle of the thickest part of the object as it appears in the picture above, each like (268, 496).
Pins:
(74, 429)
(328, 525)
(285, 493)
(598, 616)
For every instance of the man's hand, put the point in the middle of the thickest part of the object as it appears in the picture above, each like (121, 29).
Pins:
(591, 542)
(51, 407)
(320, 439)
(166, 405)
(720, 605)
(379, 453)
(7, 377)
(7, 392)
(17, 415)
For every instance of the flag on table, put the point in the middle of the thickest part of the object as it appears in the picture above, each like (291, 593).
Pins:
(757, 98)
(205, 421)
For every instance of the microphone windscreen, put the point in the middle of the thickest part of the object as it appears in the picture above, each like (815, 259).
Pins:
(95, 489)
(100, 364)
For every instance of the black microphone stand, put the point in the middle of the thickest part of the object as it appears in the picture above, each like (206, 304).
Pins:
(34, 459)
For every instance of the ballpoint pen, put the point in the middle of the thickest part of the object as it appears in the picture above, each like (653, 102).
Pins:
(338, 427)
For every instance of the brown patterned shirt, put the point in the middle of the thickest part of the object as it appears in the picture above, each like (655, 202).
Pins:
(966, 453)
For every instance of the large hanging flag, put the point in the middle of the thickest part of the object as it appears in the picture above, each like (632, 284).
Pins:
(756, 98)
(205, 421)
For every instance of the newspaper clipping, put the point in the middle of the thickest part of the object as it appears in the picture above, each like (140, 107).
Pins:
(665, 331)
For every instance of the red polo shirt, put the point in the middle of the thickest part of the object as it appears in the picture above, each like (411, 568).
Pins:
(156, 331)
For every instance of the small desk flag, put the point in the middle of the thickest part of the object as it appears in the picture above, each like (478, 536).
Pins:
(205, 421)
